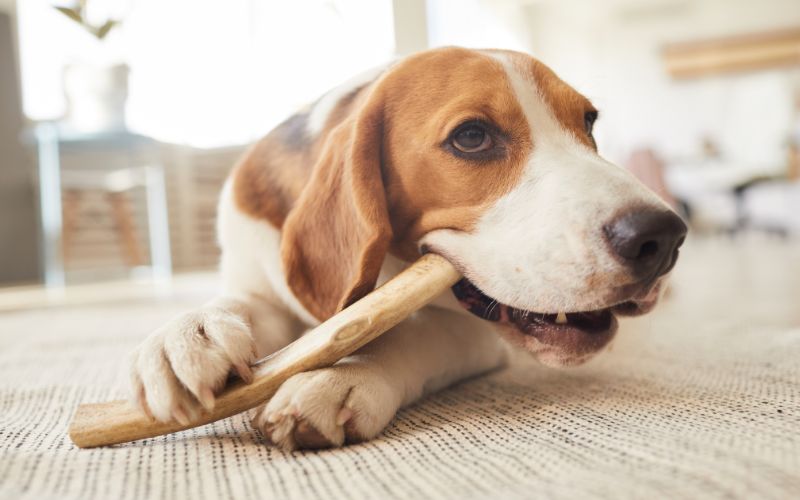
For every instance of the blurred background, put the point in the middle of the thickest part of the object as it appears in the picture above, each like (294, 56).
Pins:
(119, 119)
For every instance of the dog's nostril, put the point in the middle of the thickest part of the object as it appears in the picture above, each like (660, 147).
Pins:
(647, 249)
(646, 241)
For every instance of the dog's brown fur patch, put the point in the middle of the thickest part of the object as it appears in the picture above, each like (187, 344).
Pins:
(378, 177)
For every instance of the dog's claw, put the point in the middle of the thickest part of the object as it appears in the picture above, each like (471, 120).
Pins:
(181, 416)
(206, 398)
(344, 415)
(245, 372)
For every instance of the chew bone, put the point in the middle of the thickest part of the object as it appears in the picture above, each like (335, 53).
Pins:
(114, 422)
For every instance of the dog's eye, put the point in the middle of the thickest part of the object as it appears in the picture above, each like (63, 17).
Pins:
(471, 138)
(588, 121)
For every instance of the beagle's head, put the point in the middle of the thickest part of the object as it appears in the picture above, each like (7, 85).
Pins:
(487, 158)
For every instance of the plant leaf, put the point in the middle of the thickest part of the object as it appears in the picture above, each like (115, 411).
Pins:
(103, 30)
(74, 14)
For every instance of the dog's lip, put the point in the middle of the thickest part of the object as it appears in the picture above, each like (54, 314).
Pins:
(582, 334)
(641, 302)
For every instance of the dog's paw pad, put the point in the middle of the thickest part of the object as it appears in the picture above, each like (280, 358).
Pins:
(327, 408)
(175, 372)
(308, 437)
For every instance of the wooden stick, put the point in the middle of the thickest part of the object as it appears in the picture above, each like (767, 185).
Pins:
(103, 424)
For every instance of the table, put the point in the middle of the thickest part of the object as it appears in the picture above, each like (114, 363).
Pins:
(51, 140)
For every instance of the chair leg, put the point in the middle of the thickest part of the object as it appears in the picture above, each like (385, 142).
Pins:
(70, 211)
(126, 228)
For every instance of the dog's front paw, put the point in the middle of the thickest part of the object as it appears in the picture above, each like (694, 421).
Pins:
(179, 367)
(349, 402)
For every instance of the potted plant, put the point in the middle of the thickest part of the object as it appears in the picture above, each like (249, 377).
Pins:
(96, 84)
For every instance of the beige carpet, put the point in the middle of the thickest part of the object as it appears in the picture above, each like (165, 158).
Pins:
(701, 399)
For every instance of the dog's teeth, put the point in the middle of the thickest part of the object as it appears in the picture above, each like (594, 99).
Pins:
(561, 318)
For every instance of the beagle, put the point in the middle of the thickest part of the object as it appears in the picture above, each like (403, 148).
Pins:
(483, 156)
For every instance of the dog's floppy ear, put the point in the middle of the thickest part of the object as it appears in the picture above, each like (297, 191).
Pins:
(336, 236)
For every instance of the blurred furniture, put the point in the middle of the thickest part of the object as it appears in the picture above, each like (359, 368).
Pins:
(648, 168)
(772, 206)
(793, 172)
(772, 49)
(18, 246)
(115, 185)
(58, 214)
(735, 198)
(194, 179)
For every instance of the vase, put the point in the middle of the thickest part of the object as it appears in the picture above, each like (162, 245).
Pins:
(96, 97)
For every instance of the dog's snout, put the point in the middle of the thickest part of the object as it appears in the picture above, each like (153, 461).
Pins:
(646, 241)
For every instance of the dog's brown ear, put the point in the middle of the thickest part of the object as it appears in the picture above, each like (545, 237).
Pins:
(336, 236)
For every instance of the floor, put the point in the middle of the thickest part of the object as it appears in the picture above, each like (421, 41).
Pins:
(699, 399)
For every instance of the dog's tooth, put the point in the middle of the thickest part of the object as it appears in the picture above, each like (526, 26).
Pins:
(561, 318)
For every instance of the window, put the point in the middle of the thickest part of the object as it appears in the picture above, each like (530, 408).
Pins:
(208, 73)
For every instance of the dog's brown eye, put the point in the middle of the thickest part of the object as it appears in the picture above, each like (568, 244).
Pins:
(471, 138)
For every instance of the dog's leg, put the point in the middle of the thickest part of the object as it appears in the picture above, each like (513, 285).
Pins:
(357, 397)
(180, 366)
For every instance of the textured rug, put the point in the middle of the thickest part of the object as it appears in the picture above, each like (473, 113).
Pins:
(700, 399)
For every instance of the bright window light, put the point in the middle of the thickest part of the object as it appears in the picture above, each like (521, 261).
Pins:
(209, 73)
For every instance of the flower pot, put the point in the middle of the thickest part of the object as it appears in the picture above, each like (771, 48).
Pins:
(95, 97)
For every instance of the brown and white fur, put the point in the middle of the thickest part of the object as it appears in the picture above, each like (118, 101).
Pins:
(343, 195)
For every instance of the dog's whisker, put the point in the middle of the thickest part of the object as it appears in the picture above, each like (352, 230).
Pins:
(492, 306)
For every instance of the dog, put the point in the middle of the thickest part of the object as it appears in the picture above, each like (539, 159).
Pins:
(483, 156)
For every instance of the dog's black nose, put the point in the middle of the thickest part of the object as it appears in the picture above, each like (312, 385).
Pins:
(647, 241)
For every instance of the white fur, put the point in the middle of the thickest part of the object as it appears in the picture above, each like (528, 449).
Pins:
(540, 247)
(359, 396)
(535, 248)
(251, 257)
(429, 351)
(326, 104)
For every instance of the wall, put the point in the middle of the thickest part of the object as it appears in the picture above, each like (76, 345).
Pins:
(479, 24)
(410, 26)
(18, 223)
(611, 51)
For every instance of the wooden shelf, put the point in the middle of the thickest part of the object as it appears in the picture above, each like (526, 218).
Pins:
(733, 54)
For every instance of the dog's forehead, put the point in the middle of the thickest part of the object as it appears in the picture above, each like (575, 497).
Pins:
(441, 87)
(512, 89)
(548, 101)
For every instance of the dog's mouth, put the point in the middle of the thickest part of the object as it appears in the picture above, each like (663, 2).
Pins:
(559, 339)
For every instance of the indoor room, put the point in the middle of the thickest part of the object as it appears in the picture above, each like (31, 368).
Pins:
(177, 176)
